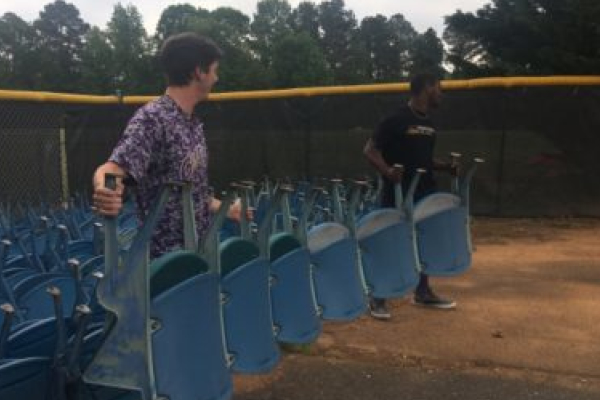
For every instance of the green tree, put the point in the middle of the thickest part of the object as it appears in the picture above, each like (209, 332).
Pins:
(235, 19)
(305, 18)
(60, 38)
(233, 27)
(176, 19)
(19, 62)
(239, 69)
(465, 53)
(298, 61)
(527, 37)
(386, 44)
(404, 35)
(97, 70)
(427, 54)
(340, 44)
(133, 67)
(271, 23)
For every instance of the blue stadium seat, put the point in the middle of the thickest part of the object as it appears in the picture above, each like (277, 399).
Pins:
(442, 228)
(33, 301)
(337, 280)
(388, 252)
(294, 311)
(187, 338)
(25, 378)
(166, 337)
(247, 316)
(36, 338)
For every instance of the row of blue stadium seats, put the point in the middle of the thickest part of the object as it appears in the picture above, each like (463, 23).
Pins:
(272, 280)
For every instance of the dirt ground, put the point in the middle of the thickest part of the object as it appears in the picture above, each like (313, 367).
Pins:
(527, 326)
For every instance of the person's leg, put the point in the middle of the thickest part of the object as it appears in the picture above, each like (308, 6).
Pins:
(378, 309)
(424, 296)
(377, 306)
(423, 286)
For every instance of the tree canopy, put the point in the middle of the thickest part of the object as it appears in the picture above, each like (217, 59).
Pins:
(307, 45)
(526, 37)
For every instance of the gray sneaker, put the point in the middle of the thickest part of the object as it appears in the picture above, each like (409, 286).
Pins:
(379, 310)
(431, 300)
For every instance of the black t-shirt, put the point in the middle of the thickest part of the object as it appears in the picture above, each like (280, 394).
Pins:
(408, 139)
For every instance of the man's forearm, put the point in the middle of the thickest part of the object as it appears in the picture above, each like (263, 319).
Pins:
(375, 158)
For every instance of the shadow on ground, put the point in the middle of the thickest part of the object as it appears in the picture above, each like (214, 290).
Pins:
(318, 378)
(526, 328)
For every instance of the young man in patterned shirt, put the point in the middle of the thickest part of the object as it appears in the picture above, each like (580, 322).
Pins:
(164, 142)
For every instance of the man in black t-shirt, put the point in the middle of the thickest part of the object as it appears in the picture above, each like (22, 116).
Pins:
(408, 138)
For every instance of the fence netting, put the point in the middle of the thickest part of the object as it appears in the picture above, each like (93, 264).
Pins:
(540, 143)
(30, 169)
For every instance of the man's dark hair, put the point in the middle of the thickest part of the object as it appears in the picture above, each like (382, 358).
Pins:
(421, 81)
(182, 53)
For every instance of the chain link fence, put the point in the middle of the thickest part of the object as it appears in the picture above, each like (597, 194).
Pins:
(30, 156)
(539, 143)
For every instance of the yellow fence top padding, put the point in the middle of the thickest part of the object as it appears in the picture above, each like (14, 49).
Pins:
(50, 97)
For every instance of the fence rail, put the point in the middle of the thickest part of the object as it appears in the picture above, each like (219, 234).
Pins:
(538, 134)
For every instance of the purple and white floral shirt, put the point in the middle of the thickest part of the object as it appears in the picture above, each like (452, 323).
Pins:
(162, 144)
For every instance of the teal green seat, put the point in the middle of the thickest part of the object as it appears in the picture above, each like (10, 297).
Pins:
(174, 268)
(235, 252)
(281, 244)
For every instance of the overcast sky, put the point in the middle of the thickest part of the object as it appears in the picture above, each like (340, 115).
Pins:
(423, 14)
